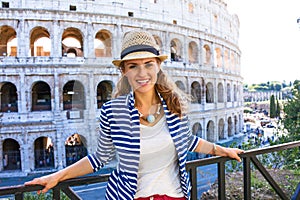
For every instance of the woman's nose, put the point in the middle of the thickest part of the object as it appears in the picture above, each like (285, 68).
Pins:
(142, 71)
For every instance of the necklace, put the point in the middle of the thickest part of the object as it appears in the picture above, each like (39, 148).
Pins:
(151, 117)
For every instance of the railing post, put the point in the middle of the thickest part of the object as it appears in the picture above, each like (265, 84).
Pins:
(247, 178)
(193, 178)
(221, 180)
(19, 196)
(56, 193)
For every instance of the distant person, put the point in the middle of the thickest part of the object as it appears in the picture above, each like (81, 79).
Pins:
(147, 124)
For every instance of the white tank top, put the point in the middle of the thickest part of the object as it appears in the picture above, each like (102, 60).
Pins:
(158, 168)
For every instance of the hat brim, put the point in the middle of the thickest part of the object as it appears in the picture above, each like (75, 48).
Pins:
(139, 55)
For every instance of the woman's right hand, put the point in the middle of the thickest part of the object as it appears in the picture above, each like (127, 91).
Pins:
(49, 181)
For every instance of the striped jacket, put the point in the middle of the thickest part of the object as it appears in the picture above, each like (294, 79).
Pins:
(120, 131)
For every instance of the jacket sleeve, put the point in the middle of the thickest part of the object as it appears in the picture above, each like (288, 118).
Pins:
(105, 148)
(193, 140)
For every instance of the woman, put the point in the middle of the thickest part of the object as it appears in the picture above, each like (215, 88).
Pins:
(148, 127)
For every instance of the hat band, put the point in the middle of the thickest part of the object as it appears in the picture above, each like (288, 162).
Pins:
(137, 48)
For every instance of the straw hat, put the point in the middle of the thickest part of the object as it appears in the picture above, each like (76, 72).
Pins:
(139, 45)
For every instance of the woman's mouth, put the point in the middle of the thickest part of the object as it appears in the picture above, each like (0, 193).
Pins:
(143, 82)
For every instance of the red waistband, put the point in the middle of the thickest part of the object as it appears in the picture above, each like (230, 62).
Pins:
(160, 197)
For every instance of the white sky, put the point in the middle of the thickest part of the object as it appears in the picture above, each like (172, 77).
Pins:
(269, 39)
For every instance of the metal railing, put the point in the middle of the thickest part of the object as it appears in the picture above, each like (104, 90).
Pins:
(247, 157)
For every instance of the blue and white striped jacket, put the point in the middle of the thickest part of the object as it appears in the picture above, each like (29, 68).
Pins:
(120, 130)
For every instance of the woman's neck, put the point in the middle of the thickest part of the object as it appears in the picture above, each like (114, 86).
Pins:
(146, 99)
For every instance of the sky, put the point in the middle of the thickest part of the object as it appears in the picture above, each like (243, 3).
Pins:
(269, 39)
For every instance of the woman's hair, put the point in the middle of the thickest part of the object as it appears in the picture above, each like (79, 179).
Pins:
(176, 99)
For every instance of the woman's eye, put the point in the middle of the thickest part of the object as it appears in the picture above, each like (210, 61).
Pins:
(149, 65)
(132, 66)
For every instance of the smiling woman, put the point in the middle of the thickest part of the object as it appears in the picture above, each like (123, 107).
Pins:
(148, 126)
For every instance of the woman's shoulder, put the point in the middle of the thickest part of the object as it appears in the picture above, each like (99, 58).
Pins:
(120, 100)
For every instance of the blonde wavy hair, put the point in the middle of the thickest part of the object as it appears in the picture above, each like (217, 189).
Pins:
(177, 101)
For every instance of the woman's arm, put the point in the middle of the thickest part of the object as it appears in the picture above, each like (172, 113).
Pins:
(213, 149)
(80, 168)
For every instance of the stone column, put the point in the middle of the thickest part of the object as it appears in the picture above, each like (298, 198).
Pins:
(56, 40)
(22, 39)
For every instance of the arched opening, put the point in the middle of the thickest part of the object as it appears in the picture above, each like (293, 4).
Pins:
(196, 92)
(176, 50)
(209, 93)
(210, 130)
(43, 153)
(180, 85)
(193, 52)
(218, 57)
(158, 42)
(206, 55)
(104, 92)
(8, 42)
(11, 155)
(73, 96)
(102, 44)
(220, 93)
(230, 127)
(75, 148)
(9, 98)
(221, 130)
(40, 43)
(41, 96)
(72, 43)
(228, 93)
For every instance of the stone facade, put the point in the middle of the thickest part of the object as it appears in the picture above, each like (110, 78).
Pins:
(56, 71)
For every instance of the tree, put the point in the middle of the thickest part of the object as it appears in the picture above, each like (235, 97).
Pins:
(272, 107)
(292, 112)
(278, 109)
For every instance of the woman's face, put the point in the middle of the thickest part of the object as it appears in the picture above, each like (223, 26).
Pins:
(141, 73)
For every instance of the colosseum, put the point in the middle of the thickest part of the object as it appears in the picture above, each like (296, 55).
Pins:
(56, 71)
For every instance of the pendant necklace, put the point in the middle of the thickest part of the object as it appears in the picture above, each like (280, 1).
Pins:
(151, 117)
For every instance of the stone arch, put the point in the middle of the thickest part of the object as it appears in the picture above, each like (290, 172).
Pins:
(72, 43)
(76, 148)
(41, 96)
(206, 54)
(43, 153)
(230, 127)
(209, 93)
(193, 52)
(218, 57)
(73, 96)
(176, 50)
(197, 130)
(236, 125)
(235, 93)
(221, 129)
(8, 42)
(40, 43)
(228, 92)
(103, 44)
(196, 92)
(180, 85)
(104, 92)
(159, 43)
(9, 97)
(220, 93)
(210, 130)
(11, 155)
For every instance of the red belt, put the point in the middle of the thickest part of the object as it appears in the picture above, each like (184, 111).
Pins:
(160, 197)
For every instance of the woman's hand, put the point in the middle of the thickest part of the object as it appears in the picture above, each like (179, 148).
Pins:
(229, 152)
(48, 181)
